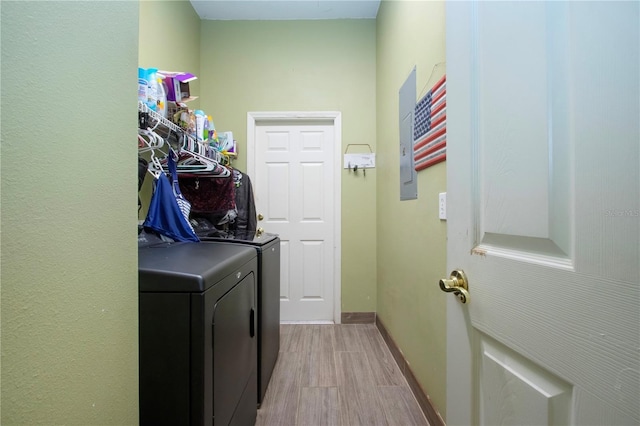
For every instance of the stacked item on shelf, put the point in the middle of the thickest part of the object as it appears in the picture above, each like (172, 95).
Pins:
(152, 90)
(167, 93)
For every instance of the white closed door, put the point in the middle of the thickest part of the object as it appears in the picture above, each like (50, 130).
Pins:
(294, 192)
(543, 192)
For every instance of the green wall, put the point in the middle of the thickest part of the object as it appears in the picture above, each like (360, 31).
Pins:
(307, 66)
(169, 37)
(411, 239)
(68, 253)
(69, 303)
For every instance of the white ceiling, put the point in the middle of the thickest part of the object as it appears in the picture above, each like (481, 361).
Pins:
(267, 10)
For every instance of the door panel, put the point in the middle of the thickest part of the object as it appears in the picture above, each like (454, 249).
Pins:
(277, 204)
(518, 392)
(312, 270)
(294, 191)
(312, 185)
(544, 212)
(513, 162)
(523, 161)
(284, 271)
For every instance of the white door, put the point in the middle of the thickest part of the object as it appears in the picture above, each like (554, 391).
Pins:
(294, 185)
(543, 179)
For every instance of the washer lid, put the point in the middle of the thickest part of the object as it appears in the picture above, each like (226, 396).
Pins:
(188, 267)
(245, 238)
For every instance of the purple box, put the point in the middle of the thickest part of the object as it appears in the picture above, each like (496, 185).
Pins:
(178, 85)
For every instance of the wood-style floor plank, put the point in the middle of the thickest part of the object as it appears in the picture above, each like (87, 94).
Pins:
(298, 339)
(383, 366)
(359, 400)
(319, 406)
(286, 330)
(321, 338)
(337, 375)
(318, 369)
(400, 406)
(282, 397)
(347, 338)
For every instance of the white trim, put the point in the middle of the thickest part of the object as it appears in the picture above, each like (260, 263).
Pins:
(253, 118)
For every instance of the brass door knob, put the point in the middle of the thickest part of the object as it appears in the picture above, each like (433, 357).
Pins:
(260, 217)
(456, 284)
(259, 232)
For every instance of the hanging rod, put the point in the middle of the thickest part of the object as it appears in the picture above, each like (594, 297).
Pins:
(202, 148)
(143, 107)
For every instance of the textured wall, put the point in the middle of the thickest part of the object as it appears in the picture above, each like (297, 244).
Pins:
(307, 66)
(169, 40)
(170, 37)
(69, 254)
(411, 238)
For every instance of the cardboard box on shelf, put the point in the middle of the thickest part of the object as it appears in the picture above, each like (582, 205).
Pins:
(178, 85)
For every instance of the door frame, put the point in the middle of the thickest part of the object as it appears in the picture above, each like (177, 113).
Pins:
(254, 119)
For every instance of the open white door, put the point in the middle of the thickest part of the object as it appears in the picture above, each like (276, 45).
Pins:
(543, 187)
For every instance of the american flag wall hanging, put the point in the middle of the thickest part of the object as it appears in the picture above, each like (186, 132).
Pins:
(430, 127)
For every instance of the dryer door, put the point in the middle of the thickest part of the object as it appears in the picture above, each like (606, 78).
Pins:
(234, 350)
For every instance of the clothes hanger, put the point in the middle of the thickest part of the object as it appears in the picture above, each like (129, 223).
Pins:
(194, 158)
(191, 161)
(194, 163)
(155, 167)
(154, 140)
(143, 144)
(146, 145)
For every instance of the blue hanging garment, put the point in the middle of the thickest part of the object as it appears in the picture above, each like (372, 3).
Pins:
(185, 206)
(164, 214)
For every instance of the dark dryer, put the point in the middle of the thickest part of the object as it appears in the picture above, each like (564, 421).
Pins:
(267, 247)
(198, 335)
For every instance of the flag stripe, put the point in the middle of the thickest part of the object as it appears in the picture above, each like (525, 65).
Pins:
(438, 108)
(435, 160)
(428, 146)
(439, 83)
(430, 127)
(430, 137)
(432, 149)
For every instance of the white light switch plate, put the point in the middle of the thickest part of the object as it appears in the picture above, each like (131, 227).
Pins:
(442, 205)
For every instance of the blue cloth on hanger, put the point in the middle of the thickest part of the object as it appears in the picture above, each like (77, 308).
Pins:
(185, 206)
(164, 214)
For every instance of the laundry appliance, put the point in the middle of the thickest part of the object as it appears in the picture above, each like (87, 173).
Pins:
(197, 334)
(267, 247)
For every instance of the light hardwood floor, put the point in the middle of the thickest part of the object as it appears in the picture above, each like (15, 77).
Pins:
(337, 375)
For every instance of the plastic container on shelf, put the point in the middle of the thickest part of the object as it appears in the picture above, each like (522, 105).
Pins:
(152, 96)
(162, 98)
(143, 85)
(211, 130)
(200, 119)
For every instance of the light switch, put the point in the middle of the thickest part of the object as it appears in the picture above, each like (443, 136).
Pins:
(442, 205)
